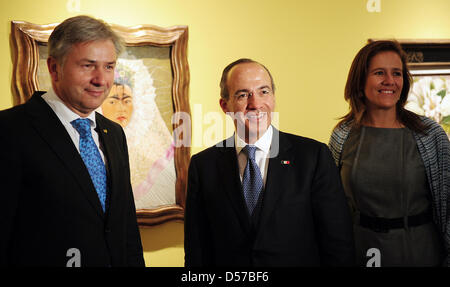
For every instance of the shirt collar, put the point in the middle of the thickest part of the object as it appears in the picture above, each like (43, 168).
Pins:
(62, 111)
(263, 143)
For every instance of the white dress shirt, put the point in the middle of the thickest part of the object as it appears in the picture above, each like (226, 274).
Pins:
(261, 154)
(66, 115)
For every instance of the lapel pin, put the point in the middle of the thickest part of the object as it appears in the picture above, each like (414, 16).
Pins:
(285, 162)
(105, 131)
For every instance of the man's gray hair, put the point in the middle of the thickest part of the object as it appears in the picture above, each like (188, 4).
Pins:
(80, 29)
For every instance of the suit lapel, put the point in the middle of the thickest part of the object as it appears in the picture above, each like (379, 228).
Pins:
(52, 131)
(231, 184)
(276, 171)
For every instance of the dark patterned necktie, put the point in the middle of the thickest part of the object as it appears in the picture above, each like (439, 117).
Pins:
(252, 182)
(92, 158)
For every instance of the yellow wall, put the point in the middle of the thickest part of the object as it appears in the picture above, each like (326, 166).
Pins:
(308, 46)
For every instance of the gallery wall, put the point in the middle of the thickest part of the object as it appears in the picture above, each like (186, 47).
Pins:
(307, 45)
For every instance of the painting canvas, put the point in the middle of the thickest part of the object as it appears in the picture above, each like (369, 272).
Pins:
(430, 96)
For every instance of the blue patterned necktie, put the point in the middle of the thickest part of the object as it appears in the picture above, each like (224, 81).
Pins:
(92, 158)
(252, 182)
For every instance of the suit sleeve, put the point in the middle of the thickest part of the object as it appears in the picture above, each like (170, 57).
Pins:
(331, 213)
(134, 245)
(195, 227)
(10, 180)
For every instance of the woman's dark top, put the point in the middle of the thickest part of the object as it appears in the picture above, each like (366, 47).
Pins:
(384, 176)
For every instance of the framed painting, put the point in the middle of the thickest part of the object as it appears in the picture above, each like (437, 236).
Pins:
(429, 64)
(149, 99)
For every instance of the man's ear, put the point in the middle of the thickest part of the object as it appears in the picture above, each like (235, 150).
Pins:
(223, 104)
(53, 69)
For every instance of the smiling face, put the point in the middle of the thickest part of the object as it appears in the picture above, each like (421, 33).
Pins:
(251, 99)
(384, 81)
(83, 79)
(118, 107)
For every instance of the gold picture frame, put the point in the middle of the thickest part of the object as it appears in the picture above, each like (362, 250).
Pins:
(28, 42)
(432, 55)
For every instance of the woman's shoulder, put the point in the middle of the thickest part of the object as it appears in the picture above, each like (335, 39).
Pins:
(434, 132)
(339, 136)
(343, 128)
(431, 126)
(428, 121)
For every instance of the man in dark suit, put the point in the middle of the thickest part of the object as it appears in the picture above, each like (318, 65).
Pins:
(264, 197)
(65, 178)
